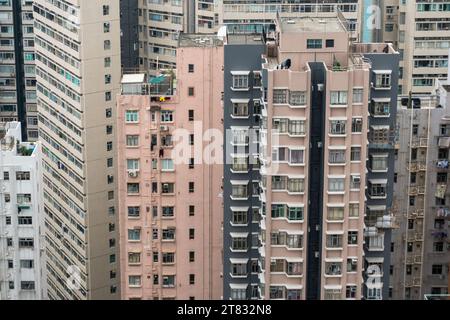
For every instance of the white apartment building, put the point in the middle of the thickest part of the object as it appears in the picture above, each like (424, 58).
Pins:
(22, 254)
(78, 76)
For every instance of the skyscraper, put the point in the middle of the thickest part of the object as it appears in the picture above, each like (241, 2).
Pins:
(22, 255)
(423, 40)
(305, 90)
(420, 263)
(170, 210)
(17, 71)
(78, 76)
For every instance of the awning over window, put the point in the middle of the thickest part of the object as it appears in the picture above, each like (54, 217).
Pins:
(240, 73)
(378, 181)
(239, 209)
(238, 286)
(239, 234)
(238, 261)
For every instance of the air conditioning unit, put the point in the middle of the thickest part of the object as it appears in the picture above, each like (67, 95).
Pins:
(164, 128)
(133, 173)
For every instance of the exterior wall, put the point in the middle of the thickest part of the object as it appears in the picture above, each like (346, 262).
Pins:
(422, 224)
(207, 219)
(22, 267)
(129, 25)
(379, 211)
(312, 68)
(241, 56)
(76, 128)
(18, 84)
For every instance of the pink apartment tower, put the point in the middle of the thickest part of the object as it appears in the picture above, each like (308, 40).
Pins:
(170, 201)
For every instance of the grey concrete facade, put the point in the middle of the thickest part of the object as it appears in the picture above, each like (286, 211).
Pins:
(379, 207)
(240, 56)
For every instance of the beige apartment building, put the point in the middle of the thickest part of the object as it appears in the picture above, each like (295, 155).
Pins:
(423, 41)
(170, 202)
(160, 21)
(78, 77)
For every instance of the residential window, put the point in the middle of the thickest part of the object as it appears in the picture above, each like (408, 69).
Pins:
(336, 184)
(383, 80)
(191, 234)
(191, 68)
(336, 157)
(240, 109)
(191, 163)
(280, 96)
(191, 211)
(350, 292)
(168, 257)
(26, 242)
(335, 214)
(134, 212)
(355, 154)
(240, 81)
(168, 188)
(192, 279)
(358, 95)
(357, 125)
(354, 210)
(167, 116)
(132, 140)
(168, 212)
(191, 256)
(338, 97)
(436, 269)
(352, 265)
(191, 115)
(239, 217)
(27, 285)
(355, 182)
(297, 98)
(106, 10)
(134, 234)
(352, 238)
(134, 281)
(239, 243)
(314, 43)
(329, 43)
(27, 264)
(109, 146)
(133, 188)
(191, 140)
(191, 91)
(168, 234)
(338, 127)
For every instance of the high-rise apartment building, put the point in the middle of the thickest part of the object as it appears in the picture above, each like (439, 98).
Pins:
(22, 254)
(17, 71)
(160, 21)
(420, 247)
(78, 78)
(318, 107)
(423, 41)
(170, 205)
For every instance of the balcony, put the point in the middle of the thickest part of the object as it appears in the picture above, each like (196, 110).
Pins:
(419, 143)
(386, 222)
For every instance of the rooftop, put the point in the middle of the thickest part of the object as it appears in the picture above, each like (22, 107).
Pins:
(241, 38)
(187, 40)
(312, 24)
